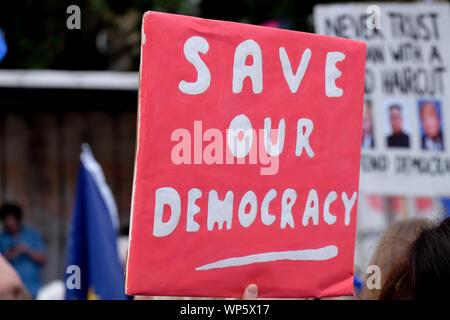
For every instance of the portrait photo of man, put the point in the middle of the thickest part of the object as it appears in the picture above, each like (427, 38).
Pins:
(368, 139)
(430, 125)
(398, 138)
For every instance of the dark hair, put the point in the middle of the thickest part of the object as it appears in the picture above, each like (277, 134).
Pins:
(430, 262)
(395, 106)
(425, 273)
(10, 209)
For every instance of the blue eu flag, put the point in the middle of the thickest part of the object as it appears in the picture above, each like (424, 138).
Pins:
(3, 46)
(92, 249)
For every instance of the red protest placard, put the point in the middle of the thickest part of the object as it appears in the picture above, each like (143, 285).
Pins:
(247, 160)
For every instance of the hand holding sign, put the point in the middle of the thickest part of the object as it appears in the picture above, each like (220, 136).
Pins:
(251, 292)
(247, 160)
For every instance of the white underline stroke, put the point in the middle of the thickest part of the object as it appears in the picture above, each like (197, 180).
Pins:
(320, 254)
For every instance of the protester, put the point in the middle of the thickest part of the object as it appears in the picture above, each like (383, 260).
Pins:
(425, 273)
(415, 257)
(391, 249)
(22, 247)
(11, 288)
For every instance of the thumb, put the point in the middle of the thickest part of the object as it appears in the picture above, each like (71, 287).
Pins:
(250, 293)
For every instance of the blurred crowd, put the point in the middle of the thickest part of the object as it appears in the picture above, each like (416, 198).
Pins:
(412, 260)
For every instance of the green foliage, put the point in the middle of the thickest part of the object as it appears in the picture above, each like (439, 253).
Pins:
(37, 37)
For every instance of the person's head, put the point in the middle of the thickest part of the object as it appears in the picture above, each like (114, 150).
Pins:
(392, 249)
(11, 217)
(396, 118)
(11, 286)
(425, 273)
(430, 119)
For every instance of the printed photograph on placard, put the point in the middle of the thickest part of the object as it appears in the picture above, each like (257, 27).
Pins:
(368, 136)
(397, 124)
(431, 125)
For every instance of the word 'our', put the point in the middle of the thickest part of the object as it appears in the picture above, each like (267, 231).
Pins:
(242, 141)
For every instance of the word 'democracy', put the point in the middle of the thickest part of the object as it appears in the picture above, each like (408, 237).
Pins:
(247, 161)
(220, 212)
